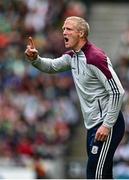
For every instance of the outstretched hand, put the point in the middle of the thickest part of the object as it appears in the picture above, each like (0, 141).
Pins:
(31, 52)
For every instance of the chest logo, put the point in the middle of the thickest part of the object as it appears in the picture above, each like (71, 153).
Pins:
(83, 72)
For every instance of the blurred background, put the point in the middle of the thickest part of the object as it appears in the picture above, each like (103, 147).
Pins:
(42, 134)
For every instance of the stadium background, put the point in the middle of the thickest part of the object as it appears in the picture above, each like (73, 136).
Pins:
(42, 134)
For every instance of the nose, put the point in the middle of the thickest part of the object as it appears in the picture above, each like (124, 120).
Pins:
(64, 31)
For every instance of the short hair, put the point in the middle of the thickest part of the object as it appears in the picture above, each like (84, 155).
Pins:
(82, 25)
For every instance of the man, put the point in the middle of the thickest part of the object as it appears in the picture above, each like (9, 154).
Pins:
(99, 89)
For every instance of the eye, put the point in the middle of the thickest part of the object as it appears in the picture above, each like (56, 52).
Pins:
(66, 29)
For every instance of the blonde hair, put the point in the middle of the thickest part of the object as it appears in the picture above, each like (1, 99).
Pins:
(82, 25)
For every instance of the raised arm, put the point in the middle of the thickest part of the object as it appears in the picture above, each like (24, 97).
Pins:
(47, 65)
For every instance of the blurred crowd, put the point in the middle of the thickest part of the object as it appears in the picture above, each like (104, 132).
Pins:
(121, 168)
(39, 112)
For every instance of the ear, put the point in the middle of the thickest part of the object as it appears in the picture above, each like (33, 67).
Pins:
(81, 34)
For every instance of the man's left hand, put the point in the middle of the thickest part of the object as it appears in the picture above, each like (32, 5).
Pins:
(102, 133)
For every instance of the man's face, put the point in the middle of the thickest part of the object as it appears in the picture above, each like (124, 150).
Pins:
(71, 34)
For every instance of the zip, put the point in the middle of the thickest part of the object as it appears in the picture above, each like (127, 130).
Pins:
(100, 108)
(77, 63)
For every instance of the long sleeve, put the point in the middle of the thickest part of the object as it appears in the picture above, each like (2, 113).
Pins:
(112, 85)
(48, 65)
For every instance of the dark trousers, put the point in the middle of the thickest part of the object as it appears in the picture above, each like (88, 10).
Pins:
(100, 154)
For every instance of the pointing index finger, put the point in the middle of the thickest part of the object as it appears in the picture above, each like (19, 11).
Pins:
(31, 43)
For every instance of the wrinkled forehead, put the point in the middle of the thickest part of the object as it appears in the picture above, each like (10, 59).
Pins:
(71, 23)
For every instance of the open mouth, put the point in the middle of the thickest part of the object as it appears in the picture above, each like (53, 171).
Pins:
(66, 39)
